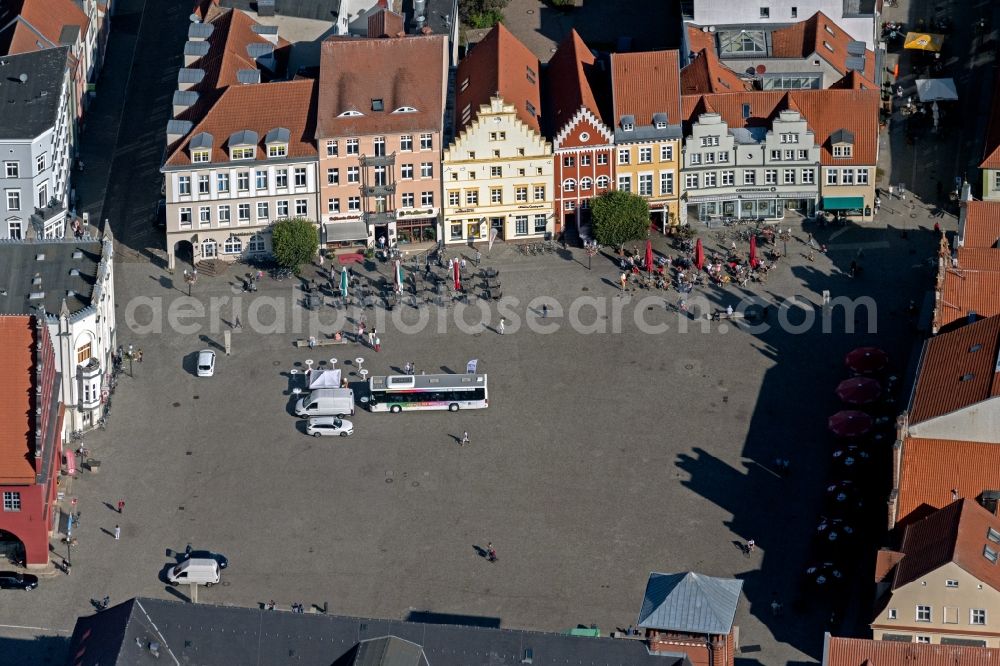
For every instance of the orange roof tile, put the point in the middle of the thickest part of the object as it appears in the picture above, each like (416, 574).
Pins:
(978, 259)
(568, 81)
(17, 369)
(885, 561)
(402, 72)
(867, 652)
(227, 53)
(820, 36)
(645, 83)
(957, 370)
(956, 533)
(40, 21)
(825, 111)
(259, 107)
(499, 65)
(933, 468)
(706, 74)
(853, 80)
(982, 224)
(966, 291)
(699, 39)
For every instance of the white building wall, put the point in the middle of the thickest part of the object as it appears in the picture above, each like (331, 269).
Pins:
(748, 12)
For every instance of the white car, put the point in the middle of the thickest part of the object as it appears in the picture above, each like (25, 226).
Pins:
(206, 363)
(329, 425)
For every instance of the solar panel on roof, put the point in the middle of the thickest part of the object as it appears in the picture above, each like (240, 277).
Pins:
(855, 63)
(856, 48)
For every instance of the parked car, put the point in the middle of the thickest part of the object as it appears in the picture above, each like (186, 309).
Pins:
(329, 425)
(195, 572)
(205, 555)
(12, 580)
(206, 363)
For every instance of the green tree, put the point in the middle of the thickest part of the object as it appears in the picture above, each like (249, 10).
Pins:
(619, 217)
(295, 242)
(482, 13)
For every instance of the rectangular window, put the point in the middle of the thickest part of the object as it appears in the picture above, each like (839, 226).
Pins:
(281, 179)
(667, 182)
(569, 204)
(569, 161)
(993, 535)
(602, 159)
(775, 155)
(923, 613)
(749, 177)
(333, 176)
(521, 193)
(301, 207)
(709, 141)
(454, 197)
(709, 158)
(530, 75)
(539, 193)
(262, 210)
(426, 169)
(645, 155)
(530, 108)
(261, 180)
(831, 176)
(333, 205)
(765, 12)
(801, 155)
(788, 176)
(922, 639)
(691, 181)
(790, 137)
(11, 500)
(728, 177)
(891, 613)
(723, 157)
(353, 204)
(990, 554)
(203, 184)
(789, 155)
(426, 198)
(243, 153)
(277, 150)
(406, 171)
(496, 172)
(223, 215)
(456, 231)
(408, 199)
(12, 169)
(843, 150)
(861, 176)
(625, 183)
(184, 216)
(43, 195)
(808, 176)
(353, 174)
(521, 225)
(770, 176)
(666, 153)
(708, 179)
(281, 208)
(379, 146)
(977, 616)
(847, 177)
(694, 159)
(243, 213)
(222, 182)
(406, 143)
(584, 160)
(540, 224)
(353, 147)
(83, 353)
(472, 197)
(426, 141)
(331, 149)
(624, 156)
(183, 185)
(204, 215)
(300, 176)
(243, 181)
(40, 163)
(646, 184)
(496, 195)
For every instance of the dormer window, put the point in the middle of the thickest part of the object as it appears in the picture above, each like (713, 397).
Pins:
(628, 127)
(405, 109)
(201, 147)
(200, 156)
(628, 123)
(842, 143)
(241, 153)
(660, 121)
(277, 142)
(378, 105)
(351, 113)
(277, 150)
(661, 125)
(243, 145)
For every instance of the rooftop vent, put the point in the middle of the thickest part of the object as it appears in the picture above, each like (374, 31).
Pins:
(40, 257)
(36, 280)
(70, 293)
(967, 377)
(529, 656)
(78, 254)
(37, 295)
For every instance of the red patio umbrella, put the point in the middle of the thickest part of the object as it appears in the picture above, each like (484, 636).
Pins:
(458, 277)
(866, 360)
(649, 256)
(849, 423)
(699, 254)
(859, 390)
(753, 252)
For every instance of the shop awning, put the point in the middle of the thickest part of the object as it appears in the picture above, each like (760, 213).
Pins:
(843, 203)
(932, 90)
(346, 231)
(923, 41)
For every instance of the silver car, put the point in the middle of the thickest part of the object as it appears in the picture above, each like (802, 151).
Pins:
(329, 425)
(206, 363)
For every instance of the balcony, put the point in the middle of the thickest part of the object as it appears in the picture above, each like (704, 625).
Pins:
(378, 160)
(379, 218)
(378, 190)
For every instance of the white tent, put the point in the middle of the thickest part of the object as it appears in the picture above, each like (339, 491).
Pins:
(325, 379)
(932, 90)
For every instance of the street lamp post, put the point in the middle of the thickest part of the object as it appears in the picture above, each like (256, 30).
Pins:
(131, 355)
(190, 276)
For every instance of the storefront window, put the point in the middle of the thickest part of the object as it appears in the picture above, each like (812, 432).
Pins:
(456, 231)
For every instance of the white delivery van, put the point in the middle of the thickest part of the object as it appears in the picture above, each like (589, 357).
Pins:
(326, 402)
(197, 571)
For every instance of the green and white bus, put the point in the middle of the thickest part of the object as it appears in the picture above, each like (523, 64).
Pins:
(397, 393)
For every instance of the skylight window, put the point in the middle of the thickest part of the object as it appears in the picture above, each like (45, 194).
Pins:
(967, 377)
(990, 554)
(378, 105)
(974, 348)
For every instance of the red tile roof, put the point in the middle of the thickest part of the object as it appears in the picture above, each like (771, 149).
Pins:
(978, 259)
(227, 55)
(39, 21)
(821, 37)
(825, 111)
(933, 468)
(499, 65)
(965, 291)
(259, 107)
(385, 23)
(646, 83)
(699, 39)
(956, 533)
(867, 652)
(706, 74)
(402, 72)
(885, 563)
(17, 369)
(982, 224)
(957, 370)
(568, 81)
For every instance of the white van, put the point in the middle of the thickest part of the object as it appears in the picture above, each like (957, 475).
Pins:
(326, 402)
(197, 571)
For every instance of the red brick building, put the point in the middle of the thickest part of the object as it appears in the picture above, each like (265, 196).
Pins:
(30, 441)
(583, 145)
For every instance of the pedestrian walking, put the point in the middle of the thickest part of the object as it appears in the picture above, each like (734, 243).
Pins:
(378, 344)
(545, 310)
(105, 602)
(892, 191)
(775, 608)
(479, 258)
(751, 545)
(501, 326)
(491, 552)
(899, 91)
(118, 532)
(465, 438)
(139, 355)
(371, 338)
(121, 505)
(237, 323)
(270, 605)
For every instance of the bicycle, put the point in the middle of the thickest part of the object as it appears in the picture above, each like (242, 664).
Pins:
(76, 436)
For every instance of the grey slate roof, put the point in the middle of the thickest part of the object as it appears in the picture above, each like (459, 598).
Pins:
(30, 108)
(207, 634)
(389, 651)
(22, 269)
(690, 602)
